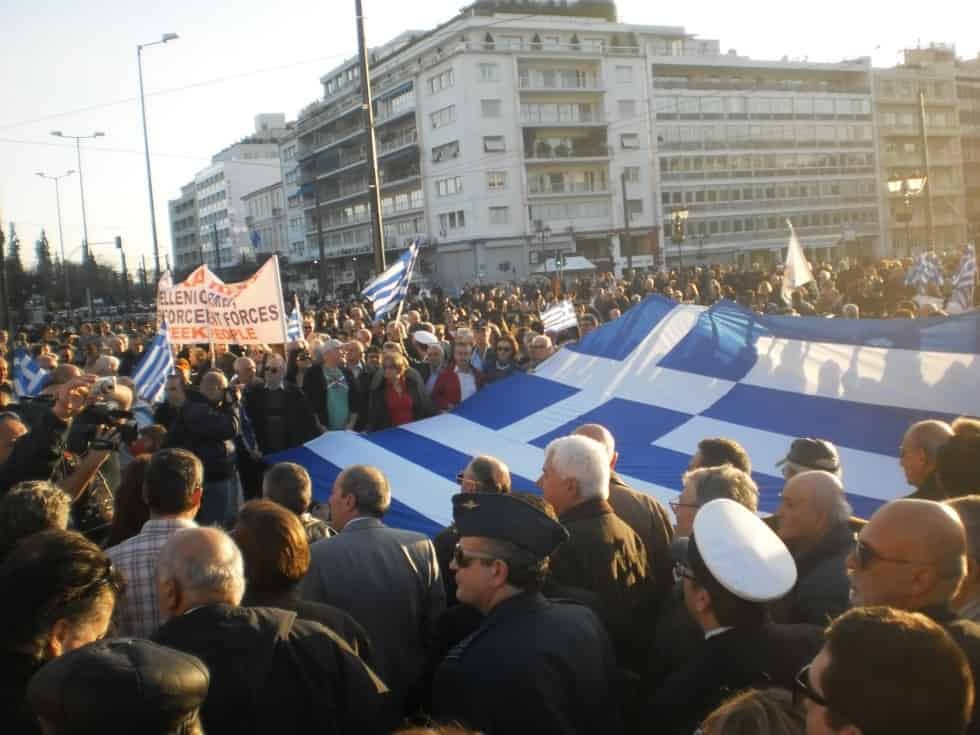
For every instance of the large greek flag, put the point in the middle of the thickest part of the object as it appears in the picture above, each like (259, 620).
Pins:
(151, 374)
(387, 290)
(664, 376)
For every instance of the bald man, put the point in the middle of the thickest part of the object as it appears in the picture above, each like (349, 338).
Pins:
(270, 671)
(207, 423)
(918, 455)
(641, 512)
(912, 556)
(812, 521)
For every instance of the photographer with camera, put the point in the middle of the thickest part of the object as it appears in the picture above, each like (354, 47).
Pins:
(207, 423)
(33, 453)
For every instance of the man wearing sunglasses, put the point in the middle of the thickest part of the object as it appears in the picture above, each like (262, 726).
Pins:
(734, 566)
(912, 556)
(533, 665)
(884, 671)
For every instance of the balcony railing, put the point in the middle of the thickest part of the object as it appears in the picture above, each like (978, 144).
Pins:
(577, 187)
(559, 83)
(547, 152)
(588, 117)
(388, 145)
(406, 104)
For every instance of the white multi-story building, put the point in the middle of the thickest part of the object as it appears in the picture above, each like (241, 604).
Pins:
(745, 145)
(211, 204)
(265, 218)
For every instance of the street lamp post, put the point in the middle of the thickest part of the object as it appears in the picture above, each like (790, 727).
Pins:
(61, 233)
(81, 187)
(146, 146)
(679, 222)
(909, 187)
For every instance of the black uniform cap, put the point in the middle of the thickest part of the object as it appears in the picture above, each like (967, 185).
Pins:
(118, 681)
(507, 518)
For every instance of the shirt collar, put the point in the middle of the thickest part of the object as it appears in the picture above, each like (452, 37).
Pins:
(717, 631)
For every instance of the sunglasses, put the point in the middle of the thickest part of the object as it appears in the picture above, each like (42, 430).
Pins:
(463, 558)
(802, 690)
(865, 556)
(676, 506)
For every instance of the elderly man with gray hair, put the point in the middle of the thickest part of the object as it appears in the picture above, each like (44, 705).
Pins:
(919, 454)
(603, 555)
(812, 521)
(332, 389)
(270, 671)
(30, 507)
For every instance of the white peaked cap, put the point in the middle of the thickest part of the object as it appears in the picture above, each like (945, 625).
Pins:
(743, 554)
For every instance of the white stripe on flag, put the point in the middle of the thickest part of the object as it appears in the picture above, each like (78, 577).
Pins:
(151, 374)
(385, 291)
(558, 317)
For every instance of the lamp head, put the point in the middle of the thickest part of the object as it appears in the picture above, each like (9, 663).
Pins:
(916, 184)
(57, 133)
(70, 171)
(40, 173)
(895, 186)
(169, 37)
(98, 134)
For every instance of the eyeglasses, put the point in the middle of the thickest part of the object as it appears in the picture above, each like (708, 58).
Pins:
(676, 505)
(865, 555)
(463, 558)
(802, 689)
(682, 571)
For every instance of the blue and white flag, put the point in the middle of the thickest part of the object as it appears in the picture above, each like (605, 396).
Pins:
(294, 325)
(151, 373)
(29, 377)
(926, 270)
(559, 317)
(387, 290)
(965, 281)
(664, 376)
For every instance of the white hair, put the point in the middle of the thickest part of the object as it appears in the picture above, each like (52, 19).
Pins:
(584, 460)
(599, 433)
(218, 575)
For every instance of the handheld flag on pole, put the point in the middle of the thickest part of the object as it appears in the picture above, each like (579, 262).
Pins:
(151, 374)
(796, 271)
(965, 280)
(29, 377)
(925, 271)
(390, 288)
(294, 326)
(559, 317)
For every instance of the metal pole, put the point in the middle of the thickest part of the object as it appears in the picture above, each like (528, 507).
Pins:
(85, 253)
(125, 274)
(626, 225)
(5, 313)
(61, 240)
(217, 252)
(374, 186)
(930, 233)
(149, 175)
(322, 274)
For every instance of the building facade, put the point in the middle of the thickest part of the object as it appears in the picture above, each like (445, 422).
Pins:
(968, 97)
(211, 206)
(908, 149)
(265, 218)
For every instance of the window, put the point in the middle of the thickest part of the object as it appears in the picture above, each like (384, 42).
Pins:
(445, 152)
(511, 42)
(624, 75)
(443, 117)
(441, 81)
(632, 174)
(629, 141)
(627, 109)
(489, 73)
(494, 144)
(499, 215)
(452, 220)
(496, 180)
(491, 108)
(449, 186)
(634, 207)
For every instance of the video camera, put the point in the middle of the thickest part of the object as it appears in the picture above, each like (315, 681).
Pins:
(101, 415)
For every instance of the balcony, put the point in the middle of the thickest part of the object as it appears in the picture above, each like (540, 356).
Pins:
(557, 82)
(406, 139)
(567, 188)
(544, 152)
(405, 106)
(585, 117)
(321, 143)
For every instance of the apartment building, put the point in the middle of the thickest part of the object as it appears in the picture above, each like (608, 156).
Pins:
(968, 97)
(265, 219)
(208, 220)
(745, 145)
(899, 120)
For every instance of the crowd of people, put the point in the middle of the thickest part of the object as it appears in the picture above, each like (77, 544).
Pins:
(160, 575)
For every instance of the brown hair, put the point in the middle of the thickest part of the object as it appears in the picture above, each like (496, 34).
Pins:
(755, 712)
(274, 548)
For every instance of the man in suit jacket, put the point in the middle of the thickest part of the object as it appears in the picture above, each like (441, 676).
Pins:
(387, 579)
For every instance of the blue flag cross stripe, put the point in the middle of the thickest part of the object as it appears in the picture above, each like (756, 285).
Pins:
(690, 373)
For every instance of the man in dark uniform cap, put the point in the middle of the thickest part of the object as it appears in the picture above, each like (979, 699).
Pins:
(735, 565)
(534, 665)
(120, 686)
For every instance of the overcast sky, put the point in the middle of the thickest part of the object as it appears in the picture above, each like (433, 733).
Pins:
(71, 66)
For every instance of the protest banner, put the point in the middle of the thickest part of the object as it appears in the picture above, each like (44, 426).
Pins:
(203, 308)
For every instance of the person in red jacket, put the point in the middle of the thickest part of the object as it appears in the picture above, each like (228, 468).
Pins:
(458, 381)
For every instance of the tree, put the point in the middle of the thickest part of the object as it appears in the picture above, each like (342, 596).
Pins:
(16, 283)
(45, 269)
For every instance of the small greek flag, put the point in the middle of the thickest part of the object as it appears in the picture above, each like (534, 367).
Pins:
(965, 280)
(387, 290)
(294, 325)
(29, 377)
(559, 317)
(925, 270)
(151, 374)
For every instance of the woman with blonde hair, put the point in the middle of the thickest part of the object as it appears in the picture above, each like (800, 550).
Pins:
(756, 712)
(400, 396)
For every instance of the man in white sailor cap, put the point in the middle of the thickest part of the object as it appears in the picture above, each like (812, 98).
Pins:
(733, 567)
